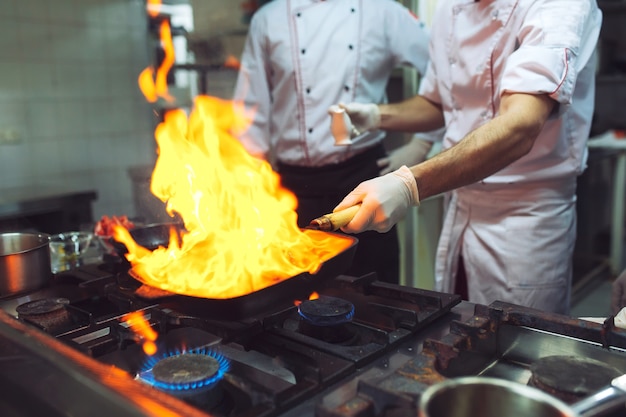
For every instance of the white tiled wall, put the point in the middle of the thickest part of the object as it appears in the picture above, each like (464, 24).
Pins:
(68, 89)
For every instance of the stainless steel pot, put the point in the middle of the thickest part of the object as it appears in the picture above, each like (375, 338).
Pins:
(492, 397)
(24, 262)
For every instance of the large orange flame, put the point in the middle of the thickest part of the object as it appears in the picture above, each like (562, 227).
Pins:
(154, 85)
(242, 232)
(241, 226)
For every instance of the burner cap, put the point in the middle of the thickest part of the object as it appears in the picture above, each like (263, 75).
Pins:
(186, 371)
(44, 306)
(187, 368)
(570, 378)
(326, 311)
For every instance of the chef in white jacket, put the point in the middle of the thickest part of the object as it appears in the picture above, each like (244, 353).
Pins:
(513, 83)
(302, 56)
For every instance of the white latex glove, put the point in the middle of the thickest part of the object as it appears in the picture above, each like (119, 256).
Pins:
(618, 293)
(364, 116)
(620, 319)
(410, 154)
(384, 201)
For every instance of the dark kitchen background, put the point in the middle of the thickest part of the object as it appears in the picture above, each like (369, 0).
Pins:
(76, 134)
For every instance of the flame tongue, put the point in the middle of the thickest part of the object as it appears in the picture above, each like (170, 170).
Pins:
(241, 227)
(242, 232)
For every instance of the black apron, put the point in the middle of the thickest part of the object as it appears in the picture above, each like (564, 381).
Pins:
(320, 189)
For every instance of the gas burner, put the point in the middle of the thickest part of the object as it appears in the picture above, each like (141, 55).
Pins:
(191, 375)
(48, 313)
(571, 378)
(326, 311)
(258, 359)
(327, 318)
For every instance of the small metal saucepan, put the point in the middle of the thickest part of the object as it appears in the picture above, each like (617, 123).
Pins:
(24, 262)
(493, 397)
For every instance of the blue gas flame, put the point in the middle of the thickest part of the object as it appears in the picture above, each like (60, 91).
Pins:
(146, 375)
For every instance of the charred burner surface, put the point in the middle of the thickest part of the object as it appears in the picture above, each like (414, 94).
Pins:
(42, 307)
(571, 378)
(48, 313)
(186, 369)
(326, 319)
(192, 376)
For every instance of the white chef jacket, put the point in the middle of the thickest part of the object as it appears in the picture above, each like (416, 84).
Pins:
(516, 229)
(302, 56)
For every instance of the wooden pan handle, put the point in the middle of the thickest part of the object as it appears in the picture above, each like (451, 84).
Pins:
(333, 221)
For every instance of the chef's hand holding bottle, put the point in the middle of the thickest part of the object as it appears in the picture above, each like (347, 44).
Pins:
(366, 116)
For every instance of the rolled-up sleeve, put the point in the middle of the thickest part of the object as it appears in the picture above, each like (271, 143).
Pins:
(554, 48)
(541, 70)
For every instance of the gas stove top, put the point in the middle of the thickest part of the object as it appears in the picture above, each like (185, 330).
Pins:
(362, 348)
(73, 337)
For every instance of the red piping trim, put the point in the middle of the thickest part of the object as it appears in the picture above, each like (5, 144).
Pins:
(298, 81)
(565, 76)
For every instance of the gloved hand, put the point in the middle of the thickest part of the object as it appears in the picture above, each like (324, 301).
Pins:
(364, 116)
(384, 201)
(620, 318)
(410, 154)
(618, 293)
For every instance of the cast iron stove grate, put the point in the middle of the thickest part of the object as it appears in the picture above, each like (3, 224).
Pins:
(501, 340)
(273, 364)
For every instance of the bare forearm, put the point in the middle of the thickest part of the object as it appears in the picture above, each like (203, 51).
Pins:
(412, 115)
(476, 157)
(486, 150)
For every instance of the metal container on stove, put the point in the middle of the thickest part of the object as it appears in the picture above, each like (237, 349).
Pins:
(24, 262)
(493, 397)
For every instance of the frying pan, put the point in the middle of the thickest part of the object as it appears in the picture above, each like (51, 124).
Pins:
(281, 294)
